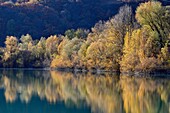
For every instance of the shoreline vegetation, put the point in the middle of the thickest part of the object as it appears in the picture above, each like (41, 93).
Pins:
(126, 43)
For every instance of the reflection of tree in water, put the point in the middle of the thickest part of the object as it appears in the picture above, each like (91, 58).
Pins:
(145, 95)
(24, 84)
(99, 92)
(105, 94)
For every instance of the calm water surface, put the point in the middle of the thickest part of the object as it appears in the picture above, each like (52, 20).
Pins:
(37, 91)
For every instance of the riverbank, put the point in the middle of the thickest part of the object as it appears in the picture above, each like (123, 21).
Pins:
(156, 72)
(151, 73)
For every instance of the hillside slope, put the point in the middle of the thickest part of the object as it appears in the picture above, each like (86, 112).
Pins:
(41, 18)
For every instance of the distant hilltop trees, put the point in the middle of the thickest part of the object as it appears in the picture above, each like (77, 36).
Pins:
(47, 1)
(36, 1)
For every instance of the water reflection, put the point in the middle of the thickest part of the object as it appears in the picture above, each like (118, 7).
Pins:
(102, 93)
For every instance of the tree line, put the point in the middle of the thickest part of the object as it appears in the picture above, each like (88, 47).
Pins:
(127, 42)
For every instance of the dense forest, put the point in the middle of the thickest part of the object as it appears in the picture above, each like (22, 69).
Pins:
(127, 42)
(49, 17)
(42, 18)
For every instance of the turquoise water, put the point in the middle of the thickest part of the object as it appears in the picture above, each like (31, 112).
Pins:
(38, 91)
(38, 106)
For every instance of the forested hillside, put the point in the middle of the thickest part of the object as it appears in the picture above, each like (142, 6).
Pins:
(47, 17)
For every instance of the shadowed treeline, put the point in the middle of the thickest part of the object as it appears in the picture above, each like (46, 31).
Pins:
(42, 18)
(102, 93)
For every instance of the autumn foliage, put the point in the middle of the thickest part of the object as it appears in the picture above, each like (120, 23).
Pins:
(127, 42)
